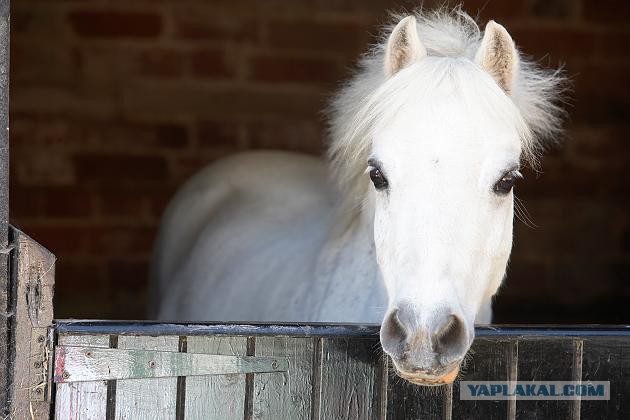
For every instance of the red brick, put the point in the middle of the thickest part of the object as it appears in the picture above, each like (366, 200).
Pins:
(321, 36)
(117, 203)
(112, 24)
(110, 168)
(282, 69)
(132, 275)
(61, 240)
(211, 63)
(219, 134)
(79, 275)
(202, 26)
(161, 63)
(300, 135)
(171, 135)
(128, 241)
(67, 203)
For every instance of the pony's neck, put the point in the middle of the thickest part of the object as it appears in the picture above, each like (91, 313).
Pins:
(347, 272)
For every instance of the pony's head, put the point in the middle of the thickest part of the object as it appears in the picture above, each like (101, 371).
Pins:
(429, 138)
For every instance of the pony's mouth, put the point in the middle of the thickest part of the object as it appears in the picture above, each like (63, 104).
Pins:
(426, 379)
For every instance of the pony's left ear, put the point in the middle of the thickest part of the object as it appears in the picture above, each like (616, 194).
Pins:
(403, 47)
(498, 56)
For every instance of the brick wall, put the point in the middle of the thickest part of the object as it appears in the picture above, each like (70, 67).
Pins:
(115, 103)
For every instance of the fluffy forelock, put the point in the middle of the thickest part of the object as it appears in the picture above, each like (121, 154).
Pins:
(368, 97)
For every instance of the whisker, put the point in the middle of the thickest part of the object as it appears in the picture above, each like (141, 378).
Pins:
(522, 214)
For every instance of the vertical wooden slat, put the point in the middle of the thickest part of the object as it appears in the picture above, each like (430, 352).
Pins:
(409, 401)
(150, 398)
(82, 400)
(285, 395)
(349, 379)
(216, 396)
(545, 360)
(5, 348)
(576, 405)
(607, 359)
(488, 360)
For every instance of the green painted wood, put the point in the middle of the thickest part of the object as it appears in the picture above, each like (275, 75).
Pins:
(216, 397)
(88, 364)
(350, 379)
(84, 400)
(545, 360)
(146, 399)
(285, 395)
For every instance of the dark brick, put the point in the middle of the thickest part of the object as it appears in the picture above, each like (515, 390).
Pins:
(220, 134)
(200, 26)
(112, 168)
(553, 8)
(321, 36)
(606, 11)
(110, 24)
(282, 69)
(67, 203)
(161, 63)
(133, 275)
(172, 135)
(211, 63)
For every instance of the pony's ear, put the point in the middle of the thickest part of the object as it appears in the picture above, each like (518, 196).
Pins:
(498, 56)
(403, 47)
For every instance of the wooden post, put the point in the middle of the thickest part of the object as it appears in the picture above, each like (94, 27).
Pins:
(30, 349)
(4, 208)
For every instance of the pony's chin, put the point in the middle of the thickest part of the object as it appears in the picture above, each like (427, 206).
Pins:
(424, 379)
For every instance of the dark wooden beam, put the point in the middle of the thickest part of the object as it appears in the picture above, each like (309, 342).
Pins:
(4, 207)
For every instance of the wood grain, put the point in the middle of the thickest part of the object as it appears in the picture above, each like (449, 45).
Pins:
(349, 379)
(82, 400)
(280, 396)
(545, 360)
(150, 399)
(220, 397)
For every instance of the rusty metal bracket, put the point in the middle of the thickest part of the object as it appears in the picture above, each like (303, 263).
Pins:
(79, 364)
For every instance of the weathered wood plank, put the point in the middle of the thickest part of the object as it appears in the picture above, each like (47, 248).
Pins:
(350, 376)
(285, 395)
(545, 360)
(607, 359)
(488, 360)
(216, 397)
(32, 313)
(150, 399)
(85, 400)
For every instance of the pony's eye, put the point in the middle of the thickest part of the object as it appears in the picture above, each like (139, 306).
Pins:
(506, 183)
(378, 179)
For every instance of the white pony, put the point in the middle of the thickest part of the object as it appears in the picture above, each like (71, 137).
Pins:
(425, 146)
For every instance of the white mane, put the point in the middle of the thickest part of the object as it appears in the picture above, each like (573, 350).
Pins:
(369, 98)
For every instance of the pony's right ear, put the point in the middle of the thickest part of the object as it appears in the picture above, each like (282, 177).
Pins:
(403, 47)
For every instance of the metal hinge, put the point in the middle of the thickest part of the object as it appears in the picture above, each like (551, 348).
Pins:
(78, 364)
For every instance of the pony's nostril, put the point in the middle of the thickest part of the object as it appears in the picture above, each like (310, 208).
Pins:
(450, 338)
(394, 331)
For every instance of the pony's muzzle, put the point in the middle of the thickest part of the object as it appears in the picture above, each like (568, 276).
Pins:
(425, 351)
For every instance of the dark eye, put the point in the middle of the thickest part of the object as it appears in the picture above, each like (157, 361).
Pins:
(506, 183)
(378, 179)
